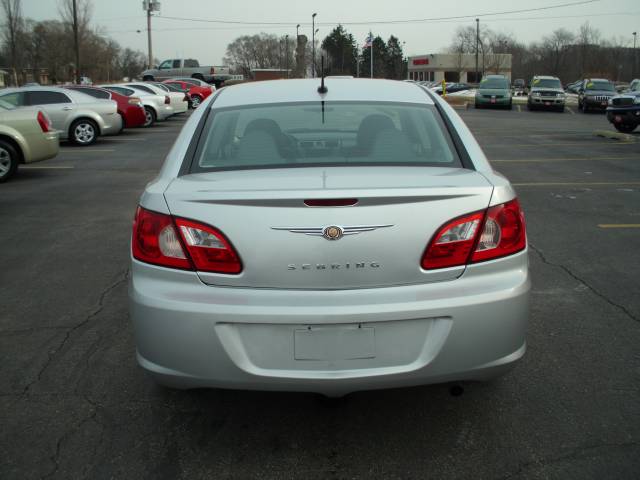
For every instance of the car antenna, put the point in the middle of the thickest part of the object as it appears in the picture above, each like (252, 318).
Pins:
(322, 89)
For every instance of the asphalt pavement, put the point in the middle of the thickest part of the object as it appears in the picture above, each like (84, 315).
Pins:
(74, 404)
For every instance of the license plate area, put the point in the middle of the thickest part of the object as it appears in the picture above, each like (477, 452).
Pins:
(334, 342)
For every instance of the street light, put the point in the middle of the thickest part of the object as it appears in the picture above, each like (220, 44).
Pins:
(286, 53)
(633, 74)
(313, 45)
(297, 31)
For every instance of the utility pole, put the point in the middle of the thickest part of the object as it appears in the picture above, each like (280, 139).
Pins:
(633, 74)
(286, 53)
(76, 44)
(150, 6)
(477, 40)
(313, 45)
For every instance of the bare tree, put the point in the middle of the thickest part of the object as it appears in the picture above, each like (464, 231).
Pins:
(77, 15)
(12, 32)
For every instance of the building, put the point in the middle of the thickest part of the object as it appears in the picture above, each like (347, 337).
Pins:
(457, 67)
(269, 73)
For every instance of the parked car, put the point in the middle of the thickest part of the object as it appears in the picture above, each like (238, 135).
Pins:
(183, 67)
(176, 100)
(198, 93)
(193, 81)
(623, 111)
(546, 93)
(130, 109)
(518, 85)
(634, 86)
(291, 245)
(79, 117)
(157, 107)
(26, 136)
(594, 94)
(174, 87)
(494, 91)
(452, 87)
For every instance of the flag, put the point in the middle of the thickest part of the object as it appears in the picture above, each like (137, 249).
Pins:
(368, 41)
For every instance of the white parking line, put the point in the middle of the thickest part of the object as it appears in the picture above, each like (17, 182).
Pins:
(570, 111)
(45, 167)
(518, 107)
(573, 184)
(121, 139)
(579, 159)
(86, 150)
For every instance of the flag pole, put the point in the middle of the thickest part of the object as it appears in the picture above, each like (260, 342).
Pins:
(371, 37)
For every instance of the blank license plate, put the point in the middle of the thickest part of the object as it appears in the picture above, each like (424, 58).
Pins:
(493, 100)
(547, 103)
(335, 342)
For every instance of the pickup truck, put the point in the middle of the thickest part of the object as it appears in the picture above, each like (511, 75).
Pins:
(183, 67)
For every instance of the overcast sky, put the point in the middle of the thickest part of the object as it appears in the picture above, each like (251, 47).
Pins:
(207, 41)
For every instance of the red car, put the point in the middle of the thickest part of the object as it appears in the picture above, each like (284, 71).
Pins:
(130, 108)
(197, 93)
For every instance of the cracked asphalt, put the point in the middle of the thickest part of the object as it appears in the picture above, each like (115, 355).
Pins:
(73, 403)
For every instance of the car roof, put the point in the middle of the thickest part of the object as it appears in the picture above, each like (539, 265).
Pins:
(306, 90)
(74, 94)
(596, 80)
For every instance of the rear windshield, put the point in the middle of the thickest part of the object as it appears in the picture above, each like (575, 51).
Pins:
(310, 134)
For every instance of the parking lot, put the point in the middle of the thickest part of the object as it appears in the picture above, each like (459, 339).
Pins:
(74, 404)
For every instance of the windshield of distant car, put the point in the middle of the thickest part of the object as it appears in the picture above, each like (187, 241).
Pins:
(338, 133)
(546, 83)
(600, 85)
(6, 105)
(494, 83)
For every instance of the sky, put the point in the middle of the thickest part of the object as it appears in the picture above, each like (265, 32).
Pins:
(207, 41)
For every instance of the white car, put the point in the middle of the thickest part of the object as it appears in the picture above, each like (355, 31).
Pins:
(156, 107)
(78, 117)
(177, 100)
(329, 240)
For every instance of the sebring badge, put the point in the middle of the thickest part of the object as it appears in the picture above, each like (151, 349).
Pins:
(332, 232)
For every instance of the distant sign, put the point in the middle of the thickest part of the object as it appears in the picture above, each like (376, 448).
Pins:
(421, 61)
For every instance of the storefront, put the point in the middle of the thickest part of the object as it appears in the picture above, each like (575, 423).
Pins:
(455, 67)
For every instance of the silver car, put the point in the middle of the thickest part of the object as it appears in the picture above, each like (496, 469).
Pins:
(327, 241)
(78, 117)
(156, 106)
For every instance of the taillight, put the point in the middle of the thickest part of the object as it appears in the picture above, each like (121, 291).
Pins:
(156, 241)
(167, 100)
(135, 101)
(179, 243)
(44, 121)
(477, 237)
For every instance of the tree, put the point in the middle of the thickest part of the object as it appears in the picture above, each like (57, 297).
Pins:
(395, 61)
(258, 51)
(555, 49)
(77, 15)
(12, 33)
(341, 51)
(380, 57)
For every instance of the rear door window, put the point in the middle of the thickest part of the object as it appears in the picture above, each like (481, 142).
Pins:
(145, 89)
(93, 92)
(338, 133)
(43, 97)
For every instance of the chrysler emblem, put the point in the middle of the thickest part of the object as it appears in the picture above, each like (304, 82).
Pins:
(333, 232)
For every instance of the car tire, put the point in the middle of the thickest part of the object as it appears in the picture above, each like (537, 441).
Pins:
(625, 127)
(561, 109)
(585, 108)
(148, 78)
(122, 127)
(529, 106)
(476, 105)
(195, 101)
(9, 160)
(510, 106)
(150, 116)
(83, 132)
(197, 76)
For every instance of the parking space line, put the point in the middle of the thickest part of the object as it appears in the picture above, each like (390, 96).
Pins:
(570, 110)
(86, 150)
(121, 139)
(526, 145)
(619, 225)
(45, 167)
(574, 184)
(518, 108)
(580, 159)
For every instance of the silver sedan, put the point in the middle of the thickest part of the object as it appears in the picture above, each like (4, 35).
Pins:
(78, 117)
(330, 241)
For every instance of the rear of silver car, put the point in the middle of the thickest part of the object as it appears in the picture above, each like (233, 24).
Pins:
(340, 256)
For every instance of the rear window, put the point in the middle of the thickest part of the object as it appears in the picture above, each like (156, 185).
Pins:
(341, 133)
(93, 92)
(144, 88)
(121, 90)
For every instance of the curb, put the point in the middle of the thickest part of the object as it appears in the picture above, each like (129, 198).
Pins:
(623, 137)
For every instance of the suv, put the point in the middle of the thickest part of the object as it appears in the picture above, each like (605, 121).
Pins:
(594, 94)
(546, 92)
(624, 110)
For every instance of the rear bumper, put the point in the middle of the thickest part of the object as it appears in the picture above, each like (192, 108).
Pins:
(499, 102)
(165, 111)
(192, 335)
(112, 124)
(625, 116)
(41, 146)
(134, 117)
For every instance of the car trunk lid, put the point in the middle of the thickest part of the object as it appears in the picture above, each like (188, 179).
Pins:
(280, 239)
